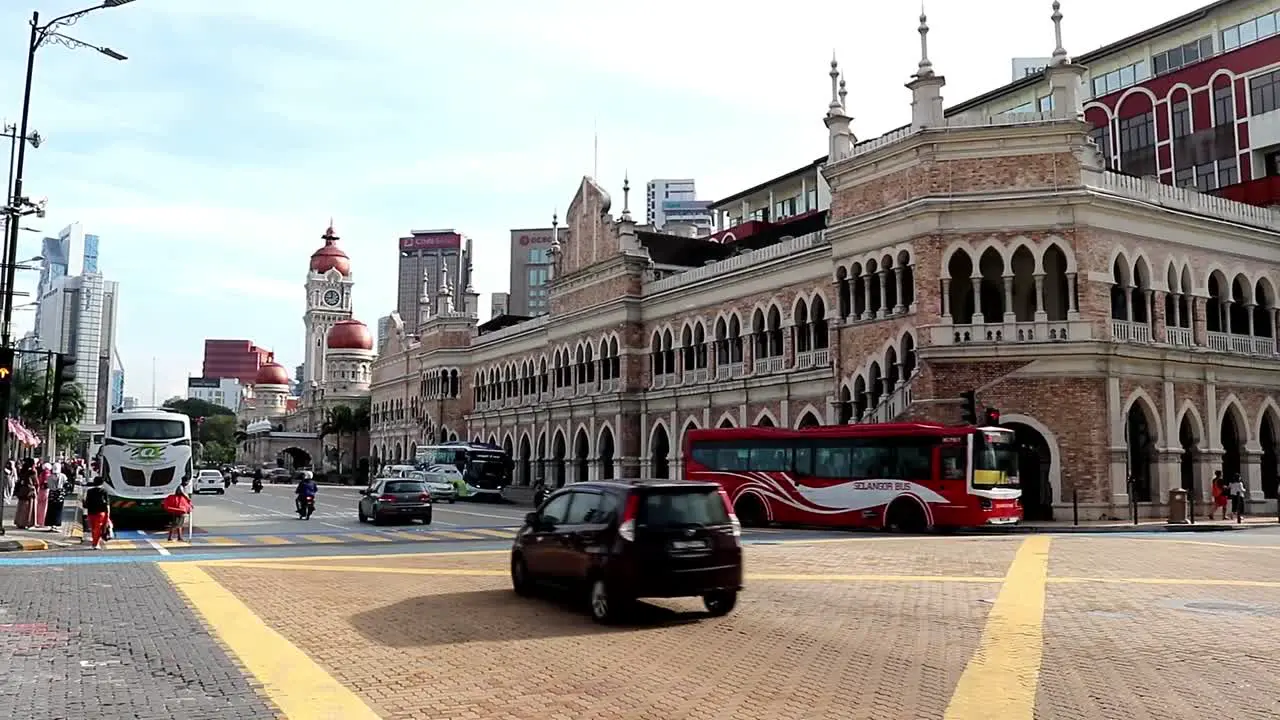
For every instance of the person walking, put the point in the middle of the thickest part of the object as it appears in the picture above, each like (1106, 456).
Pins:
(97, 508)
(59, 485)
(42, 492)
(24, 514)
(10, 479)
(1220, 497)
(178, 505)
(1238, 494)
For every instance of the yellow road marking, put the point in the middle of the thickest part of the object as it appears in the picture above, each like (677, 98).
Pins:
(272, 540)
(121, 544)
(314, 558)
(1168, 581)
(320, 539)
(292, 680)
(220, 541)
(1000, 680)
(1206, 543)
(452, 535)
(415, 537)
(820, 577)
(504, 534)
(174, 544)
(364, 537)
(460, 572)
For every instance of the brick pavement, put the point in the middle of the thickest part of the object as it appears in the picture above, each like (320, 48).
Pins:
(111, 642)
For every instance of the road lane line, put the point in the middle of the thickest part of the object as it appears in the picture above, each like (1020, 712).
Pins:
(512, 518)
(272, 540)
(320, 539)
(1001, 679)
(216, 540)
(314, 558)
(1168, 581)
(158, 547)
(414, 537)
(819, 577)
(298, 685)
(364, 537)
(459, 572)
(504, 534)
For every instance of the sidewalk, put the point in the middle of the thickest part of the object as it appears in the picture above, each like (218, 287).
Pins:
(15, 540)
(1150, 525)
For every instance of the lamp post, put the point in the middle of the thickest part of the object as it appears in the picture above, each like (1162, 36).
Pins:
(18, 206)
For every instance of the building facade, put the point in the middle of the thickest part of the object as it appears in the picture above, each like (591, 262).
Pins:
(530, 271)
(225, 392)
(239, 359)
(675, 202)
(78, 318)
(429, 256)
(1126, 329)
(499, 304)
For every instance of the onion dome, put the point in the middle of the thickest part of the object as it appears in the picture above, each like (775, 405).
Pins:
(272, 374)
(349, 335)
(330, 256)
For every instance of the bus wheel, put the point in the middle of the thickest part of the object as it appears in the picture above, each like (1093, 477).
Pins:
(750, 511)
(906, 516)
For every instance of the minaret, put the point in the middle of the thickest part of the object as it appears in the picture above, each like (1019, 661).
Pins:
(1066, 78)
(926, 87)
(837, 121)
(627, 239)
(555, 249)
(425, 311)
(444, 301)
(470, 298)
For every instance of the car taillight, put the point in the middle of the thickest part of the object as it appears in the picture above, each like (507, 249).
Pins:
(733, 519)
(425, 497)
(387, 498)
(627, 529)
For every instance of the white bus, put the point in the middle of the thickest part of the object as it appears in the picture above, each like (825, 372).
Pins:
(146, 454)
(476, 470)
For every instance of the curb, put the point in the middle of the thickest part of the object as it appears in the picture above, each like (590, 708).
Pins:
(23, 544)
(1150, 529)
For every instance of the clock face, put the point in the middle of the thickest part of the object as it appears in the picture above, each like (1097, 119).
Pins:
(332, 297)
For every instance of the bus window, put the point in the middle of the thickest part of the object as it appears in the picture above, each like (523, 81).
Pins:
(953, 462)
(771, 459)
(832, 462)
(995, 461)
(148, 429)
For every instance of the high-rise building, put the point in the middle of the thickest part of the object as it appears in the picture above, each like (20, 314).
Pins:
(56, 254)
(116, 395)
(499, 304)
(426, 257)
(670, 201)
(78, 318)
(384, 332)
(238, 359)
(219, 391)
(530, 271)
(90, 253)
(129, 402)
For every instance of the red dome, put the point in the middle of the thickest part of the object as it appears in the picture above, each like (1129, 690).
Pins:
(330, 256)
(272, 374)
(349, 335)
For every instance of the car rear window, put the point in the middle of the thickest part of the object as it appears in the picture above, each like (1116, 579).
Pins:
(682, 508)
(404, 487)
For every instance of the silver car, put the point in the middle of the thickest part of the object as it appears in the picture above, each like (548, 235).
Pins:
(440, 488)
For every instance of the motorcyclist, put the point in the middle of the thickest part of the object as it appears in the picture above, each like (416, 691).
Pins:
(306, 489)
(257, 484)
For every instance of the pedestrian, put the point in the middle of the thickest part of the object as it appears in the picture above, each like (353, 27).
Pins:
(1220, 497)
(178, 505)
(1237, 492)
(58, 488)
(97, 508)
(42, 492)
(24, 515)
(10, 479)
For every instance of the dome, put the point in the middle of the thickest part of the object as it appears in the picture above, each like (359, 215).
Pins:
(349, 335)
(330, 256)
(272, 374)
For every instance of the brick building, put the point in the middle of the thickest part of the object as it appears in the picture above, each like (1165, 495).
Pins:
(1125, 328)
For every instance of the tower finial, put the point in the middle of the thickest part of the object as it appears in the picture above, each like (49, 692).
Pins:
(555, 219)
(626, 195)
(843, 93)
(1059, 52)
(834, 108)
(925, 68)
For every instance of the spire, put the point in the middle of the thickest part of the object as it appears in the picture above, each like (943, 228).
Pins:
(925, 68)
(426, 287)
(843, 93)
(835, 107)
(445, 287)
(626, 197)
(329, 236)
(1059, 52)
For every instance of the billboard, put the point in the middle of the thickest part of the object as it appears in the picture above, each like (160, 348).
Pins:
(1025, 66)
(432, 241)
(685, 205)
(527, 238)
(203, 382)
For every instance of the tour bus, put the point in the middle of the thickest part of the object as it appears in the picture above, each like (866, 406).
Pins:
(479, 471)
(145, 455)
(902, 476)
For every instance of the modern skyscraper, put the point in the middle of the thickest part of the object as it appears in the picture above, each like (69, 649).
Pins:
(90, 253)
(384, 332)
(499, 304)
(530, 271)
(78, 318)
(238, 359)
(426, 256)
(669, 201)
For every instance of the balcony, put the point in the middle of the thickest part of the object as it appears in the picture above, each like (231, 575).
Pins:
(1241, 344)
(1128, 331)
(610, 386)
(770, 365)
(1263, 191)
(663, 380)
(1180, 337)
(813, 359)
(1036, 331)
(731, 370)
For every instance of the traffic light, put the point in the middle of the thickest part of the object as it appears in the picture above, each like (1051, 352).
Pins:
(6, 376)
(992, 417)
(969, 411)
(64, 371)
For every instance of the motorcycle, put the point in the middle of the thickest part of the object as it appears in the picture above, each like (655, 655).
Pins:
(257, 486)
(306, 507)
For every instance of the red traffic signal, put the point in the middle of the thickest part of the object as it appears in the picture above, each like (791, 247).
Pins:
(992, 417)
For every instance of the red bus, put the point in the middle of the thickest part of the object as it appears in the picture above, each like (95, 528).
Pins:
(901, 476)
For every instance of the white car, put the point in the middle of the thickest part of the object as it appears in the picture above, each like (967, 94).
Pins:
(210, 480)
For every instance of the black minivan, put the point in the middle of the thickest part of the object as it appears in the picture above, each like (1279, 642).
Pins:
(629, 539)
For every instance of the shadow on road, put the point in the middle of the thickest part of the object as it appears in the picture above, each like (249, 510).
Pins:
(497, 615)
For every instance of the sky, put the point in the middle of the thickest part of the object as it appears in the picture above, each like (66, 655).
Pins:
(210, 162)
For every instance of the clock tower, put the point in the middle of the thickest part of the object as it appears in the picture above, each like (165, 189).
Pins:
(328, 286)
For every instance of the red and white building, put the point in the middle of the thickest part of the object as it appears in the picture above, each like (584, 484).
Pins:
(1125, 328)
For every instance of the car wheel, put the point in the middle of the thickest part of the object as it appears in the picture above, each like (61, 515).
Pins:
(605, 608)
(520, 581)
(426, 519)
(453, 500)
(720, 603)
(361, 516)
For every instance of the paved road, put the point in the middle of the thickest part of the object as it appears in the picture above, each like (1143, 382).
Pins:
(1064, 627)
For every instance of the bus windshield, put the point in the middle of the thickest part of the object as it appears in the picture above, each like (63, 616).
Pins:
(148, 429)
(995, 459)
(486, 466)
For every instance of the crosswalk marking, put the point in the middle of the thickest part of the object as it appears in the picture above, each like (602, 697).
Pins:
(453, 535)
(320, 539)
(504, 534)
(415, 537)
(380, 536)
(272, 540)
(363, 537)
(122, 544)
(216, 540)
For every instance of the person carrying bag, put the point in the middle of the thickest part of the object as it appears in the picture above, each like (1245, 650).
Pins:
(178, 505)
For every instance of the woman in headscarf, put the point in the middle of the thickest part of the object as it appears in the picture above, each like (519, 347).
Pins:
(24, 515)
(58, 484)
(42, 492)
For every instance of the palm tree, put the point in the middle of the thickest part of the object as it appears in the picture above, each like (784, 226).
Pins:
(361, 418)
(32, 402)
(338, 420)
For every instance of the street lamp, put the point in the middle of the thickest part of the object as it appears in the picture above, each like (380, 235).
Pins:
(18, 206)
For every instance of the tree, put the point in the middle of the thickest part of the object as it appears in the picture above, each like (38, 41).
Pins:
(30, 395)
(195, 407)
(338, 420)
